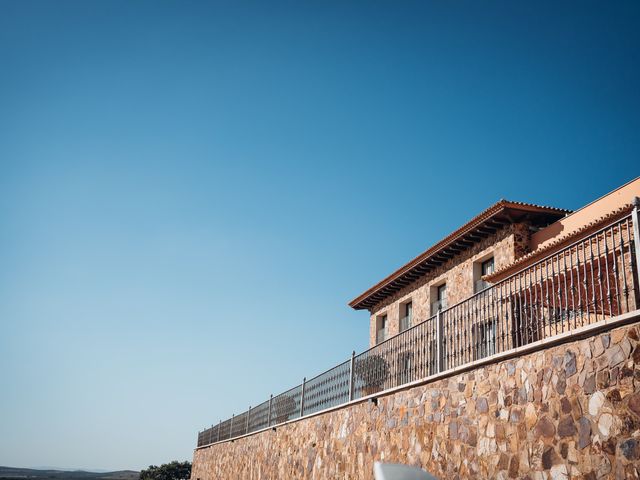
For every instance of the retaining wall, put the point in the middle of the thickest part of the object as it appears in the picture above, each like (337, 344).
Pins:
(566, 411)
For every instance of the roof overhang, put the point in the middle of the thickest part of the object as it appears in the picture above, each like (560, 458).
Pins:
(483, 225)
(561, 242)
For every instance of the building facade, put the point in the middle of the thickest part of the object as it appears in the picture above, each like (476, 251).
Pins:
(452, 270)
(481, 252)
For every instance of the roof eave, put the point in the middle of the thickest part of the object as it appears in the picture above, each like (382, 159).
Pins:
(364, 301)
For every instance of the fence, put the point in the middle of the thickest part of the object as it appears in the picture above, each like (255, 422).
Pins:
(590, 280)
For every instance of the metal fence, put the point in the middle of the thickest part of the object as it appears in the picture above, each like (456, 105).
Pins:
(590, 280)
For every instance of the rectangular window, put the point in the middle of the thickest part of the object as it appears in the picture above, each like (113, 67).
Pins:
(486, 268)
(442, 296)
(405, 319)
(381, 329)
(441, 299)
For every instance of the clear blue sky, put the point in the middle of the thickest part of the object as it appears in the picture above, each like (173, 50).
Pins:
(191, 192)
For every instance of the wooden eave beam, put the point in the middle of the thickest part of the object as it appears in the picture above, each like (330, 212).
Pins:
(464, 243)
(495, 223)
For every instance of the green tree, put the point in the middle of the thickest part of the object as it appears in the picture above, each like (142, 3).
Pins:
(168, 471)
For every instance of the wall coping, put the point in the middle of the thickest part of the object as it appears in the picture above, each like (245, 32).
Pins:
(564, 337)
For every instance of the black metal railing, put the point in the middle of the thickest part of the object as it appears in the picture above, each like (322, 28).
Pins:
(405, 323)
(328, 389)
(590, 280)
(480, 285)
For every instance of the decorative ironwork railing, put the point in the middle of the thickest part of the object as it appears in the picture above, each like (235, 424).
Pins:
(438, 305)
(480, 285)
(405, 323)
(590, 280)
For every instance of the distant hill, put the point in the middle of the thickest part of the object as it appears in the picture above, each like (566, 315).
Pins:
(10, 473)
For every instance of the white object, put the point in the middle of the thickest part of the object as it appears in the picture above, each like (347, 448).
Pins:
(397, 471)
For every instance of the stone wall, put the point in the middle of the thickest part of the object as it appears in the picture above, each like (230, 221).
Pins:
(570, 411)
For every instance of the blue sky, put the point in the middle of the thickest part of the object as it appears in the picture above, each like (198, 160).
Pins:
(191, 192)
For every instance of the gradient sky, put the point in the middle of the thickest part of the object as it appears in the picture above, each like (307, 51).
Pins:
(191, 192)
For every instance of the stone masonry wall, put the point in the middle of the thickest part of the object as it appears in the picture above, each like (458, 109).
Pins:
(570, 411)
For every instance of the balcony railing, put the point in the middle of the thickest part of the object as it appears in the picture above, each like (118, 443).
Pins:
(438, 305)
(480, 285)
(381, 335)
(405, 323)
(590, 280)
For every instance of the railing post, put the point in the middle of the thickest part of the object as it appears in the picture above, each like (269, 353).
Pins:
(231, 427)
(351, 374)
(636, 239)
(304, 381)
(219, 425)
(269, 416)
(439, 339)
(246, 430)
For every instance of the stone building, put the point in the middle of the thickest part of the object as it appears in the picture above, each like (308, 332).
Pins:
(510, 349)
(453, 269)
(461, 264)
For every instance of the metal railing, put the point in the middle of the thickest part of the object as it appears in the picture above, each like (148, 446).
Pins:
(590, 280)
(480, 285)
(405, 323)
(438, 305)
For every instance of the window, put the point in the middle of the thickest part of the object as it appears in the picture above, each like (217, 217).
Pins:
(381, 328)
(481, 269)
(487, 267)
(441, 299)
(442, 294)
(406, 316)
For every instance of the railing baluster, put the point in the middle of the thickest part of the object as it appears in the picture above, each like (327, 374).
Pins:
(566, 290)
(538, 301)
(608, 274)
(625, 290)
(636, 240)
(246, 429)
(438, 341)
(616, 274)
(586, 282)
(600, 276)
(632, 258)
(594, 301)
(573, 289)
(351, 375)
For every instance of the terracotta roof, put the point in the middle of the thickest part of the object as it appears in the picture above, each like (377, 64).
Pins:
(501, 213)
(558, 243)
